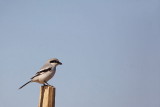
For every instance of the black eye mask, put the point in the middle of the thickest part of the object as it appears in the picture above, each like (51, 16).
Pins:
(54, 61)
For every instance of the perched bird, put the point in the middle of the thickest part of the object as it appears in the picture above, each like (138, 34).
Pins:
(46, 72)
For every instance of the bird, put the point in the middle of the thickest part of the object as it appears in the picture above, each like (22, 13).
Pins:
(46, 72)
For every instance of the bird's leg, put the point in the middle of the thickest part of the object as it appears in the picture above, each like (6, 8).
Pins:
(47, 83)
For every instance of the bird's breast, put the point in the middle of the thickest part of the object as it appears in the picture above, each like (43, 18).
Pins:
(46, 76)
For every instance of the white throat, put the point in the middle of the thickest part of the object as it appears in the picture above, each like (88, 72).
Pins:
(54, 64)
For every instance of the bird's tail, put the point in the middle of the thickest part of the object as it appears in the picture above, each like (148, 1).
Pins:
(25, 84)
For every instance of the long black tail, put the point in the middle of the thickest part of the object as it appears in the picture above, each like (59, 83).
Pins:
(25, 84)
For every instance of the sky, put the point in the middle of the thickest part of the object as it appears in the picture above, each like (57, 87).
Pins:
(109, 50)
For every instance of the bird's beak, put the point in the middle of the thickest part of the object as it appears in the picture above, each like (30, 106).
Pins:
(60, 63)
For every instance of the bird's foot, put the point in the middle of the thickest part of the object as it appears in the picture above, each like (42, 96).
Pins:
(44, 85)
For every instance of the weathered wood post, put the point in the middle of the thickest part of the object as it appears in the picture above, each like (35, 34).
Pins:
(47, 96)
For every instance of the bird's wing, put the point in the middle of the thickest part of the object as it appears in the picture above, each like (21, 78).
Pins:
(45, 68)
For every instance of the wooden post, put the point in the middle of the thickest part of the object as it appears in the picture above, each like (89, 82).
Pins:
(47, 96)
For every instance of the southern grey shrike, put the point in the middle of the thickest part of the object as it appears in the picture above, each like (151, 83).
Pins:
(46, 72)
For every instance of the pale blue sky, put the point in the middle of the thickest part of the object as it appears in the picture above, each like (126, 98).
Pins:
(109, 50)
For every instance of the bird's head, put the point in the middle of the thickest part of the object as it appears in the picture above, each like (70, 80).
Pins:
(54, 61)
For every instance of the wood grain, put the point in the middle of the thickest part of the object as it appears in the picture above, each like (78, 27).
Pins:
(47, 96)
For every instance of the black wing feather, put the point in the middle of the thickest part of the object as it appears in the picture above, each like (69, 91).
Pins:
(41, 72)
